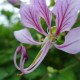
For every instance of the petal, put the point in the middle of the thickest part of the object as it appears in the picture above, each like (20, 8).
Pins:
(15, 3)
(30, 17)
(72, 42)
(66, 12)
(43, 52)
(24, 36)
(44, 11)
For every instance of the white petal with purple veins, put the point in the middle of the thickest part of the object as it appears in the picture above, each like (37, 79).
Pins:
(72, 42)
(30, 17)
(66, 12)
(44, 11)
(24, 36)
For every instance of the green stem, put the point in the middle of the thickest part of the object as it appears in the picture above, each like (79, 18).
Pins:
(37, 57)
(69, 67)
(43, 78)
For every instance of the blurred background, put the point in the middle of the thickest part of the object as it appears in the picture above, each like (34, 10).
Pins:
(57, 65)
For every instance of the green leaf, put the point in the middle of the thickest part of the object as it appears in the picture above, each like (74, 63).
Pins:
(67, 75)
(6, 71)
(51, 69)
(13, 77)
(3, 74)
(40, 71)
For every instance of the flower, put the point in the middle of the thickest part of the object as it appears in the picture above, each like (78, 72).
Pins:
(66, 12)
(15, 2)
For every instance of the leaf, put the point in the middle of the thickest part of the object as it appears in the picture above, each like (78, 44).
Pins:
(6, 71)
(5, 58)
(67, 75)
(51, 69)
(3, 74)
(40, 71)
(10, 69)
(13, 77)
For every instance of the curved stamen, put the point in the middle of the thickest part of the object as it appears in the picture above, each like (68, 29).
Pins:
(16, 52)
(22, 61)
(24, 53)
(24, 56)
(39, 58)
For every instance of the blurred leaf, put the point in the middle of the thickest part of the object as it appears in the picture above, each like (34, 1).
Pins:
(51, 69)
(67, 75)
(6, 71)
(10, 69)
(13, 77)
(40, 71)
(52, 3)
(8, 14)
(3, 74)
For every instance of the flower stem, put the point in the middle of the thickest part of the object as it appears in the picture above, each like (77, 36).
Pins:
(69, 67)
(43, 78)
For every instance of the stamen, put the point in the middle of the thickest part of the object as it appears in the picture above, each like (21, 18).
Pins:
(24, 53)
(47, 30)
(24, 57)
(22, 61)
(38, 58)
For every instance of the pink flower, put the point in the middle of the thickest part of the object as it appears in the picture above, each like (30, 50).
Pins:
(66, 12)
(15, 2)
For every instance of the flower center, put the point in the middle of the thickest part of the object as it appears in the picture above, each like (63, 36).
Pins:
(58, 39)
(50, 36)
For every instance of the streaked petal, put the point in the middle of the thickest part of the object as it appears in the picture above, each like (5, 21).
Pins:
(72, 42)
(66, 12)
(43, 52)
(30, 17)
(24, 36)
(44, 11)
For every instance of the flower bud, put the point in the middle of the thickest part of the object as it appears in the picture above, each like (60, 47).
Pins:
(15, 3)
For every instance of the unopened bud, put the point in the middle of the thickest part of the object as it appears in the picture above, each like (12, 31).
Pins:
(15, 3)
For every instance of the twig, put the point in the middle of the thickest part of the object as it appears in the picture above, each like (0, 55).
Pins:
(43, 78)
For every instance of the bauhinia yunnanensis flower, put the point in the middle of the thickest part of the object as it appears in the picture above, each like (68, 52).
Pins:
(66, 12)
